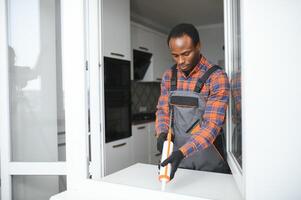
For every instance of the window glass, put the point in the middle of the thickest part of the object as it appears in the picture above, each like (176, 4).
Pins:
(235, 100)
(37, 187)
(36, 89)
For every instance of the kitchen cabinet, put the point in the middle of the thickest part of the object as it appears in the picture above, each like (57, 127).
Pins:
(162, 56)
(144, 144)
(148, 40)
(142, 39)
(117, 155)
(116, 29)
(140, 147)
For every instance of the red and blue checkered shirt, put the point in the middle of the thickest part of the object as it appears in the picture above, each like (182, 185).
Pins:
(215, 91)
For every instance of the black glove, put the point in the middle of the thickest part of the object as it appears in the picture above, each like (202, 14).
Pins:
(174, 159)
(161, 139)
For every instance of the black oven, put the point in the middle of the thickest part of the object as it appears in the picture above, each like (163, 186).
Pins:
(117, 85)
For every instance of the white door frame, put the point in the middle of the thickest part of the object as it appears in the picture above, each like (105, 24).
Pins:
(74, 79)
(94, 55)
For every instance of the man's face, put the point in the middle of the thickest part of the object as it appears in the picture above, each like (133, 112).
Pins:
(184, 52)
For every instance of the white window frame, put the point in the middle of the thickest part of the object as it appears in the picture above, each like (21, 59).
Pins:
(74, 56)
(96, 87)
(94, 58)
(81, 22)
(229, 24)
(10, 168)
(74, 80)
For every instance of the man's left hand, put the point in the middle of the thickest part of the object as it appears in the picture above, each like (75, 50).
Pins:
(174, 159)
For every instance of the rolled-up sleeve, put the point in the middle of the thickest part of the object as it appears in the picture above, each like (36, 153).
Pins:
(162, 114)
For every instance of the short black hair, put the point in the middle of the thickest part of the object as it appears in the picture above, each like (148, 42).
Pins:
(184, 29)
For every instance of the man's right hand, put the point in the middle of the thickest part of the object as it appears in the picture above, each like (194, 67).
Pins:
(161, 139)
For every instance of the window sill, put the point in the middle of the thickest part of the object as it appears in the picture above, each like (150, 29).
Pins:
(141, 180)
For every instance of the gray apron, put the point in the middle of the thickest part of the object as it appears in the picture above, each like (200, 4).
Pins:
(188, 108)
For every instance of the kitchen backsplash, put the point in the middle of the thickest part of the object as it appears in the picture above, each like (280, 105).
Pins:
(144, 96)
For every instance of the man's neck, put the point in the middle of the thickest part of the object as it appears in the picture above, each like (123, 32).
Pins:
(187, 72)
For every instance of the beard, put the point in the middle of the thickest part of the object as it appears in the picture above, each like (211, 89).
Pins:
(189, 66)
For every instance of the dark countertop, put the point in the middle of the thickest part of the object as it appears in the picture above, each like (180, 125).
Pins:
(141, 118)
(142, 121)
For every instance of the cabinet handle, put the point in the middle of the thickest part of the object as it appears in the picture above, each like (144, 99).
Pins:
(157, 154)
(143, 48)
(141, 127)
(119, 145)
(117, 54)
(159, 79)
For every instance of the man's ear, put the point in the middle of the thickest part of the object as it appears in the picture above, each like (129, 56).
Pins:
(198, 46)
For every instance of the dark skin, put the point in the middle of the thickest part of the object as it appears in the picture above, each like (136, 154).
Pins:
(185, 54)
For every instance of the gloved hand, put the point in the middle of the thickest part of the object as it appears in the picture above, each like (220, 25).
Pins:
(161, 139)
(174, 159)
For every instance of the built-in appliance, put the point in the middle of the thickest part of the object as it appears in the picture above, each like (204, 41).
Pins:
(142, 60)
(117, 85)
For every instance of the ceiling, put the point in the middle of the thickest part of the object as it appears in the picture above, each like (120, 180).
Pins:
(162, 15)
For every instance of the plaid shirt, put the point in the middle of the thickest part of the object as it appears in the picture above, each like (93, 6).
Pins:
(216, 93)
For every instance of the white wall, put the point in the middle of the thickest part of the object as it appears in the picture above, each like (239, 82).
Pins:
(212, 40)
(271, 97)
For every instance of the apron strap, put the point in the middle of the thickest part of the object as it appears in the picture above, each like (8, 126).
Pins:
(199, 85)
(173, 80)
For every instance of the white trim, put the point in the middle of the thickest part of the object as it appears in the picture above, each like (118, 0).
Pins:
(93, 34)
(73, 62)
(102, 91)
(5, 144)
(219, 25)
(37, 168)
(243, 105)
(228, 27)
(237, 173)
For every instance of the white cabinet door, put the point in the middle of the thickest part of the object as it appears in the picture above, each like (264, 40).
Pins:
(140, 147)
(144, 39)
(161, 58)
(117, 155)
(141, 39)
(145, 144)
(116, 29)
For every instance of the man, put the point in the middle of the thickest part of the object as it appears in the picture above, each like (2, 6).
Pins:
(195, 93)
